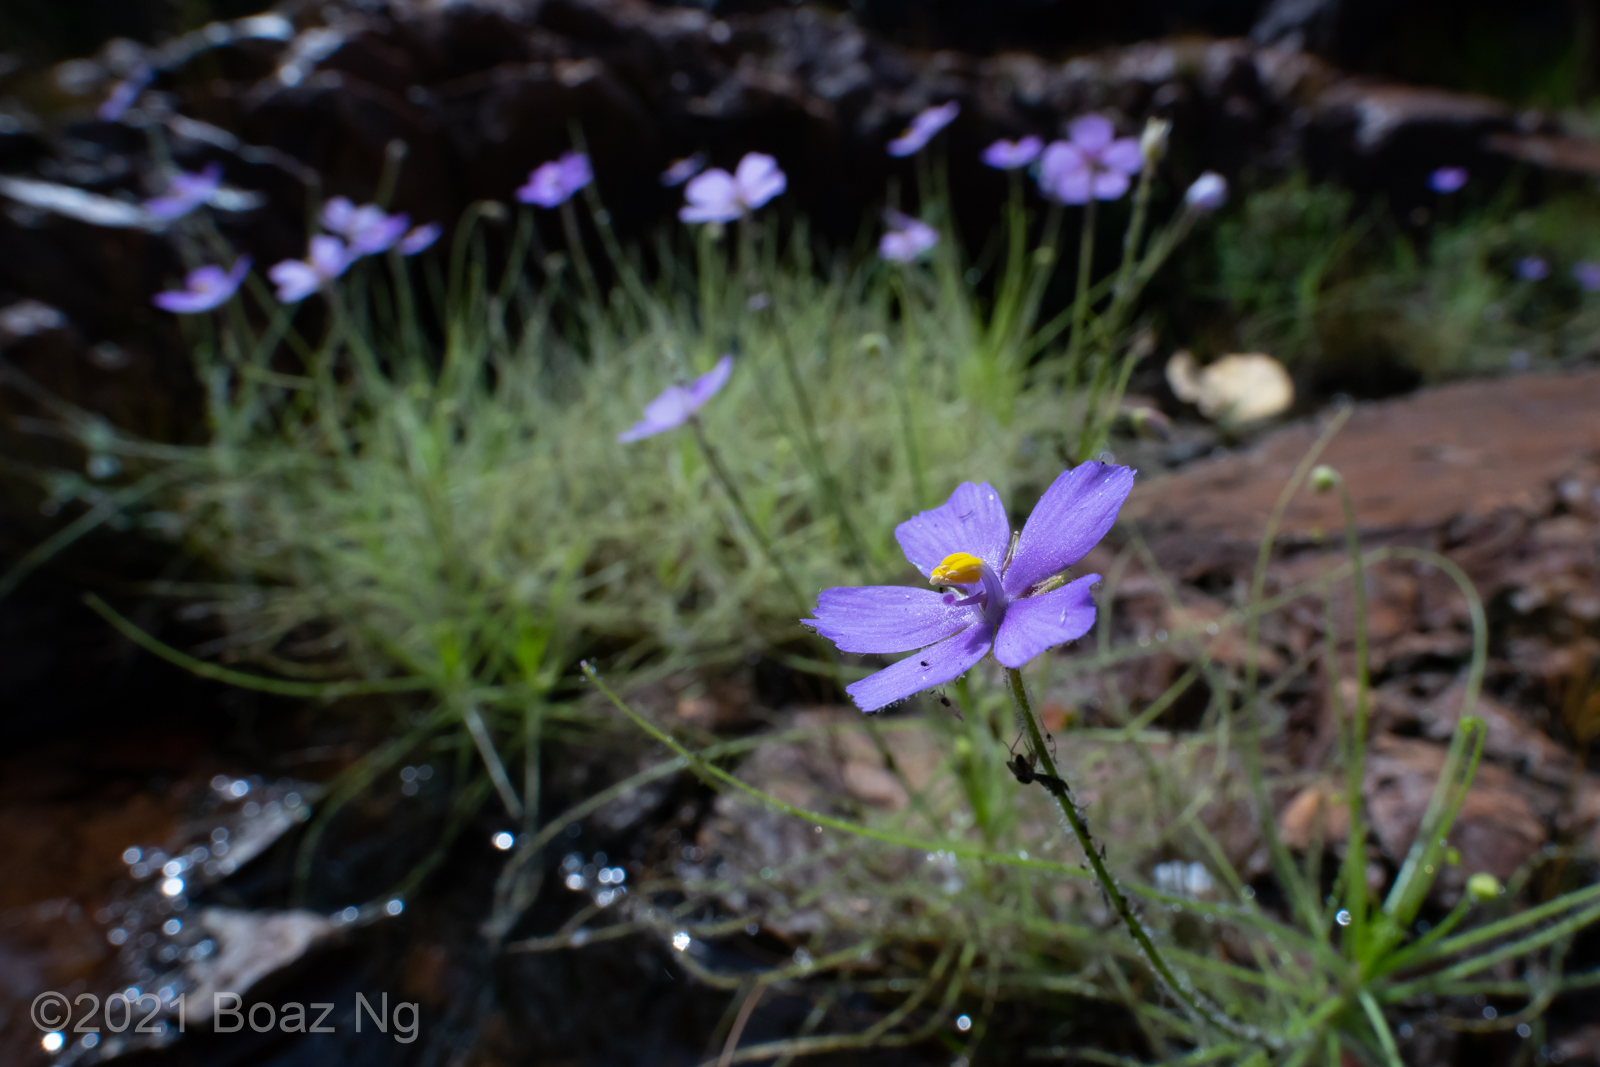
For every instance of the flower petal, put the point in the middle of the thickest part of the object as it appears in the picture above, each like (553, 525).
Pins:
(758, 179)
(706, 386)
(329, 257)
(1110, 185)
(683, 169)
(420, 239)
(671, 408)
(1036, 623)
(1091, 132)
(934, 665)
(295, 280)
(1058, 158)
(1009, 155)
(379, 235)
(1069, 520)
(207, 279)
(886, 618)
(241, 267)
(338, 214)
(1123, 154)
(183, 302)
(712, 197)
(1074, 187)
(646, 427)
(575, 171)
(973, 520)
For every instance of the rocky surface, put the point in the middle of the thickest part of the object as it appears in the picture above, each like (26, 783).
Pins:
(308, 100)
(1502, 477)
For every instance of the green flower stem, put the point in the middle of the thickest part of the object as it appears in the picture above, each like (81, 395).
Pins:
(1302, 900)
(1355, 861)
(905, 382)
(1019, 697)
(711, 772)
(580, 257)
(1080, 301)
(1122, 294)
(532, 731)
(813, 441)
(452, 667)
(714, 460)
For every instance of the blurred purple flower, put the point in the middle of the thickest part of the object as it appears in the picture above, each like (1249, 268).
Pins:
(203, 289)
(1009, 155)
(420, 239)
(368, 229)
(1092, 164)
(1586, 273)
(677, 403)
(907, 238)
(552, 184)
(185, 192)
(1209, 192)
(717, 196)
(1532, 269)
(683, 169)
(297, 279)
(1447, 179)
(928, 122)
(124, 93)
(963, 545)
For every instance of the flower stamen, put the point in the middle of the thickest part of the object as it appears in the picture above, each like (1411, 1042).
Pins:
(958, 568)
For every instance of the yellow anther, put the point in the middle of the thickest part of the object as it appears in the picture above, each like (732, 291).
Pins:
(958, 568)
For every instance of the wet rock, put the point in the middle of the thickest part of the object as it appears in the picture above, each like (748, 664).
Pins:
(840, 772)
(251, 947)
(1582, 1045)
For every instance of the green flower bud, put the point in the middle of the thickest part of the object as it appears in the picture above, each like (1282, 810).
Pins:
(1483, 886)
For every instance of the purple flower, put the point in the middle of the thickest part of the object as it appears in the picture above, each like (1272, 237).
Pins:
(1532, 269)
(204, 289)
(1093, 164)
(124, 93)
(185, 192)
(928, 122)
(368, 229)
(963, 545)
(676, 403)
(717, 196)
(683, 169)
(552, 184)
(1447, 179)
(1586, 273)
(1209, 192)
(1009, 155)
(420, 239)
(907, 238)
(297, 279)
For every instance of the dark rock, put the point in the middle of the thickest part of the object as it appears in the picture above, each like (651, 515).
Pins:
(481, 93)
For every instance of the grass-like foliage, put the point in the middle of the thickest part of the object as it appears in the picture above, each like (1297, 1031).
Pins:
(1341, 292)
(417, 485)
